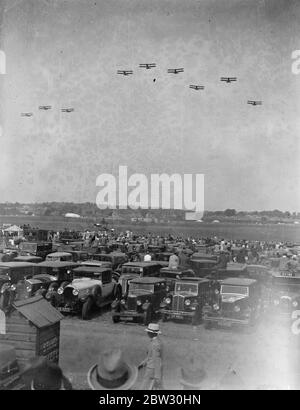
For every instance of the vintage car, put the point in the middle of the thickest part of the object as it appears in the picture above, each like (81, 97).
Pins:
(40, 249)
(90, 287)
(203, 267)
(142, 301)
(59, 256)
(239, 303)
(10, 274)
(232, 270)
(115, 258)
(285, 295)
(172, 275)
(187, 299)
(138, 269)
(50, 276)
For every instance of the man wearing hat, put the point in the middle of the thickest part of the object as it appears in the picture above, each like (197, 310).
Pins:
(42, 374)
(112, 372)
(153, 362)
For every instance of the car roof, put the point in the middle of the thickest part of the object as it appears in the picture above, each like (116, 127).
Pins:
(192, 279)
(238, 281)
(91, 269)
(26, 257)
(148, 279)
(57, 264)
(17, 264)
(236, 266)
(59, 254)
(142, 264)
(177, 271)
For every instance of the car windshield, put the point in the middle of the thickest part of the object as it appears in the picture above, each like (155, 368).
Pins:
(240, 290)
(141, 287)
(190, 288)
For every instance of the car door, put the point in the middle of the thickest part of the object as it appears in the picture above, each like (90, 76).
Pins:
(107, 284)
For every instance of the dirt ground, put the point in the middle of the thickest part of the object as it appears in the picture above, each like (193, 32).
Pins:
(266, 357)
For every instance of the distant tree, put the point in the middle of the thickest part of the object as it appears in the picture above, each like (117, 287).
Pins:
(230, 212)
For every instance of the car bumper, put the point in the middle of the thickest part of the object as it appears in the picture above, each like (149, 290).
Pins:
(177, 313)
(227, 321)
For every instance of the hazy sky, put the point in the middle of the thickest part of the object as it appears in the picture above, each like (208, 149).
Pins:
(66, 54)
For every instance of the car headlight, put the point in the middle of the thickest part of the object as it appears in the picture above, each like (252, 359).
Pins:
(237, 308)
(216, 291)
(276, 302)
(75, 292)
(138, 302)
(295, 303)
(13, 287)
(187, 302)
(168, 300)
(216, 306)
(60, 291)
(123, 301)
(167, 288)
(28, 288)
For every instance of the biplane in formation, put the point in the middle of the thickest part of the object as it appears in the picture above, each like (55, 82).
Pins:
(45, 107)
(228, 79)
(67, 109)
(197, 87)
(26, 114)
(251, 102)
(148, 66)
(175, 70)
(125, 72)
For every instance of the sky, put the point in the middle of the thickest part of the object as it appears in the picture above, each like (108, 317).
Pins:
(67, 53)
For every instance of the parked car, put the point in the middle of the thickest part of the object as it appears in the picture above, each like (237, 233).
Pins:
(59, 256)
(186, 300)
(285, 295)
(10, 274)
(40, 249)
(90, 287)
(115, 258)
(50, 276)
(203, 267)
(138, 269)
(142, 302)
(173, 275)
(239, 303)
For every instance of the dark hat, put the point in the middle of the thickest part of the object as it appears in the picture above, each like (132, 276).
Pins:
(41, 374)
(191, 374)
(112, 372)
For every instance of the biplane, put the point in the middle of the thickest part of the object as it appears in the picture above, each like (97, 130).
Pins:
(251, 102)
(147, 65)
(67, 109)
(45, 107)
(26, 114)
(228, 79)
(197, 87)
(125, 72)
(175, 70)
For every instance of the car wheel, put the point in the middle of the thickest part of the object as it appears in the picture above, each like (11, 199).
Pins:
(147, 317)
(86, 309)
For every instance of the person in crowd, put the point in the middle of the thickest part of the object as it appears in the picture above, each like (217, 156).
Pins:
(41, 374)
(152, 379)
(147, 257)
(174, 260)
(112, 372)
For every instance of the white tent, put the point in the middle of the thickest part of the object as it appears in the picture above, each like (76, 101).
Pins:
(71, 215)
(14, 230)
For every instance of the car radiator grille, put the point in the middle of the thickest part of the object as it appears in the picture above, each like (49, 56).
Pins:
(131, 303)
(68, 295)
(178, 302)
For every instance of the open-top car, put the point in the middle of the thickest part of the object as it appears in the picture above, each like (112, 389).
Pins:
(285, 295)
(239, 303)
(187, 299)
(172, 275)
(90, 287)
(142, 301)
